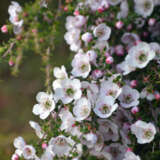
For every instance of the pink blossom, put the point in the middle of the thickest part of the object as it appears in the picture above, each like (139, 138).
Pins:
(135, 110)
(151, 21)
(133, 83)
(119, 24)
(109, 60)
(4, 29)
(44, 145)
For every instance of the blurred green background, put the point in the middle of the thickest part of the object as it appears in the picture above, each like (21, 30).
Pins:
(17, 94)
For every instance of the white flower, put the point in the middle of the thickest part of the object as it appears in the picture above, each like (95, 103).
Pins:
(109, 88)
(13, 10)
(108, 129)
(102, 31)
(124, 10)
(105, 106)
(156, 47)
(92, 91)
(156, 2)
(79, 21)
(70, 90)
(60, 73)
(75, 22)
(129, 97)
(29, 152)
(116, 150)
(125, 68)
(101, 45)
(114, 2)
(130, 39)
(82, 109)
(140, 55)
(144, 7)
(96, 4)
(68, 122)
(47, 155)
(61, 145)
(89, 139)
(19, 144)
(81, 65)
(87, 37)
(37, 129)
(92, 56)
(72, 36)
(145, 93)
(143, 131)
(131, 156)
(45, 105)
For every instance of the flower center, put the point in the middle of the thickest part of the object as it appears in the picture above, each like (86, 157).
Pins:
(147, 5)
(148, 133)
(127, 99)
(105, 109)
(142, 57)
(70, 91)
(48, 104)
(60, 141)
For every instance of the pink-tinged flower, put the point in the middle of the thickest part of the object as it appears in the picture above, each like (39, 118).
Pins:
(135, 110)
(15, 157)
(119, 50)
(11, 63)
(119, 24)
(100, 10)
(44, 145)
(133, 83)
(129, 150)
(97, 73)
(157, 96)
(4, 29)
(129, 27)
(65, 9)
(76, 13)
(87, 37)
(151, 21)
(109, 60)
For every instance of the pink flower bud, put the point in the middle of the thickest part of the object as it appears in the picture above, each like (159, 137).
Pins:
(76, 13)
(15, 157)
(119, 24)
(34, 31)
(11, 63)
(133, 83)
(151, 21)
(145, 34)
(135, 110)
(44, 145)
(129, 27)
(100, 10)
(157, 96)
(109, 60)
(129, 149)
(65, 9)
(119, 50)
(4, 29)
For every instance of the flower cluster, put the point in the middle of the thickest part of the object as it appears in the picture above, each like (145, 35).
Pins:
(101, 107)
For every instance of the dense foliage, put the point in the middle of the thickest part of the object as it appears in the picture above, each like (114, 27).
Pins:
(106, 105)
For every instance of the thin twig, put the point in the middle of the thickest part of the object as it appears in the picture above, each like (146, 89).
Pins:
(9, 49)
